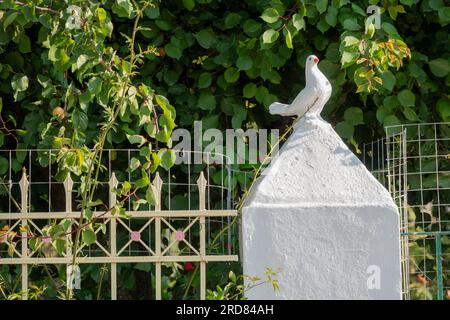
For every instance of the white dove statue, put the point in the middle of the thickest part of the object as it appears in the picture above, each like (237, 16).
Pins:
(312, 98)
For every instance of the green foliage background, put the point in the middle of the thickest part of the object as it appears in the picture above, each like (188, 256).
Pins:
(224, 62)
(216, 55)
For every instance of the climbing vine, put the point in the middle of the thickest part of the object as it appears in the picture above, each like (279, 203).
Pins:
(81, 76)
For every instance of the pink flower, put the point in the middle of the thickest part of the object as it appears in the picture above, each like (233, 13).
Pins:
(180, 235)
(135, 235)
(46, 239)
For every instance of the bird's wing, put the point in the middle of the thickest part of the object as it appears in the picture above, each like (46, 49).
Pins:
(279, 108)
(304, 101)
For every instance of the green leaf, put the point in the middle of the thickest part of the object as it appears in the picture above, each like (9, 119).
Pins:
(123, 8)
(350, 41)
(10, 19)
(251, 27)
(261, 93)
(444, 15)
(394, 10)
(436, 4)
(81, 60)
(152, 13)
(348, 58)
(345, 129)
(357, 9)
(143, 266)
(370, 30)
(163, 135)
(270, 36)
(33, 242)
(95, 85)
(149, 196)
(167, 157)
(244, 62)
(163, 24)
(204, 81)
(206, 101)
(388, 79)
(134, 164)
(249, 90)
(173, 51)
(288, 39)
(391, 120)
(19, 82)
(11, 248)
(101, 14)
(189, 4)
(389, 29)
(232, 276)
(390, 102)
(354, 116)
(80, 120)
(89, 237)
(4, 165)
(231, 75)
(232, 20)
(443, 107)
(206, 38)
(143, 181)
(270, 15)
(410, 114)
(60, 245)
(331, 16)
(239, 115)
(24, 44)
(321, 5)
(298, 22)
(440, 67)
(171, 77)
(162, 101)
(136, 139)
(406, 98)
(88, 213)
(351, 24)
(145, 151)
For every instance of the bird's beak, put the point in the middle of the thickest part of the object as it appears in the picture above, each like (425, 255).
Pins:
(316, 60)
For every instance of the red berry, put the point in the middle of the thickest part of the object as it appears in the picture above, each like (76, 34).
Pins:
(188, 266)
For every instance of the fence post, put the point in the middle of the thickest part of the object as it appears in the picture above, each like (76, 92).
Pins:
(156, 188)
(68, 185)
(112, 235)
(24, 184)
(439, 274)
(201, 183)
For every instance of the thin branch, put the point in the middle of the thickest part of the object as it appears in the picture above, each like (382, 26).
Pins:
(41, 9)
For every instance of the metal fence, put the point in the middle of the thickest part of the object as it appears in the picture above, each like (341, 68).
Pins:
(190, 221)
(413, 162)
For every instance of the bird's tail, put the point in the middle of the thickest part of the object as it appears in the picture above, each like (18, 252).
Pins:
(279, 108)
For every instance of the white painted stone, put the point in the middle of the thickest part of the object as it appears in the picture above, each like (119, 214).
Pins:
(319, 215)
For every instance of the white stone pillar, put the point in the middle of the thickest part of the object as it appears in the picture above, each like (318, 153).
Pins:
(320, 216)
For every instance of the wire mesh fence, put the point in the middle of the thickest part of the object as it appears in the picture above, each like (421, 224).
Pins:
(413, 162)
